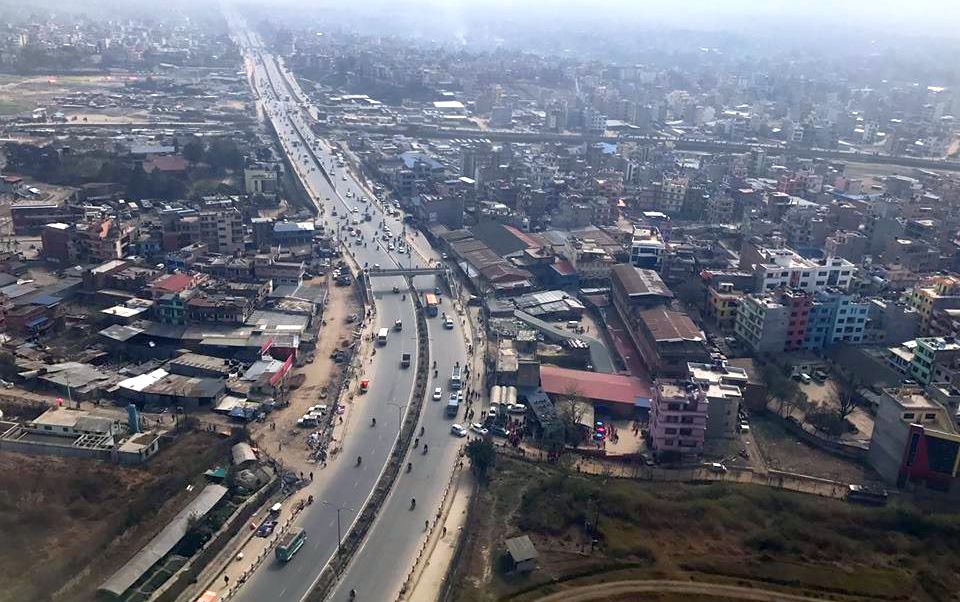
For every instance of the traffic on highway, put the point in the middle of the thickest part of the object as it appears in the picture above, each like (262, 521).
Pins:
(376, 237)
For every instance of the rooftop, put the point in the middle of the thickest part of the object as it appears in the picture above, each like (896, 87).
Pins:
(613, 388)
(670, 326)
(637, 282)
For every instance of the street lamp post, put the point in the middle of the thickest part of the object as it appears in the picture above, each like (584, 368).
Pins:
(399, 413)
(339, 509)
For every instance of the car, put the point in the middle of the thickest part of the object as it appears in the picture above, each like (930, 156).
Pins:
(344, 178)
(516, 408)
(390, 247)
(478, 428)
(438, 394)
(805, 378)
(715, 467)
(499, 431)
(458, 430)
(448, 323)
(266, 528)
(353, 210)
(492, 412)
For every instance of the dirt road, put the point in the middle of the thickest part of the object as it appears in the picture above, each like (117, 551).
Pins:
(606, 591)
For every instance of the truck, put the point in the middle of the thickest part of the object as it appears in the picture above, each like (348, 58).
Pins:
(432, 304)
(405, 360)
(453, 405)
(382, 336)
(290, 544)
(456, 377)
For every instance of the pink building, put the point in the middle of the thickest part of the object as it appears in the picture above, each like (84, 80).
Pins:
(678, 419)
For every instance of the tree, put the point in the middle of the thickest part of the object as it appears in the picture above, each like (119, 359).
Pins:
(783, 389)
(193, 151)
(482, 456)
(692, 293)
(223, 154)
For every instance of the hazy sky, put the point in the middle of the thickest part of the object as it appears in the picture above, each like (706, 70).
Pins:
(937, 17)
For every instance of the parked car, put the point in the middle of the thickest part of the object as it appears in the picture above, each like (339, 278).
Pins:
(458, 430)
(716, 467)
(479, 428)
(499, 431)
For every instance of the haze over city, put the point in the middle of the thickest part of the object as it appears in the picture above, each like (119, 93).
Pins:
(479, 300)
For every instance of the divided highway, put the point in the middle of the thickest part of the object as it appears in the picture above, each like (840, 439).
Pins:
(382, 563)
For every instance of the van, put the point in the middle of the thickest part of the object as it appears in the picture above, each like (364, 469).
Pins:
(805, 378)
(382, 336)
(573, 325)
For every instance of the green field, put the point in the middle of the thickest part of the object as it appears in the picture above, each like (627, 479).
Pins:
(724, 533)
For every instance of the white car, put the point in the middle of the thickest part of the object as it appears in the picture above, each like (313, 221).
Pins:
(516, 408)
(437, 394)
(354, 210)
(448, 323)
(476, 427)
(344, 178)
(492, 412)
(390, 247)
(458, 430)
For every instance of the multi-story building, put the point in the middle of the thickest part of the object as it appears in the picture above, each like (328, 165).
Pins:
(890, 322)
(723, 303)
(776, 268)
(905, 414)
(835, 317)
(589, 259)
(206, 308)
(678, 420)
(926, 360)
(261, 179)
(647, 247)
(667, 341)
(773, 323)
(722, 386)
(97, 241)
(221, 229)
(933, 294)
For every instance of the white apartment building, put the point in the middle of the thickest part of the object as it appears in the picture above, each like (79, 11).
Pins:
(783, 267)
(647, 247)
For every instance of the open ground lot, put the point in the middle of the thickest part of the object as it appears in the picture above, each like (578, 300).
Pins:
(68, 523)
(703, 537)
(783, 451)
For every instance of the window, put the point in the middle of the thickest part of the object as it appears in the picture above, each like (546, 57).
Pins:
(908, 415)
(685, 432)
(929, 417)
(670, 431)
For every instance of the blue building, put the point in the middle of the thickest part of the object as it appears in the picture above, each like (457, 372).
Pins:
(835, 317)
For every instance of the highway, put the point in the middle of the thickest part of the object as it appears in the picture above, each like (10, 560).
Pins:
(380, 567)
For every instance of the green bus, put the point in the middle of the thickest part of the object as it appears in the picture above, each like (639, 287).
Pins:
(290, 544)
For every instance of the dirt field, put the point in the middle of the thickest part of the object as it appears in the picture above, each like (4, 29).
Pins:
(718, 535)
(783, 451)
(55, 512)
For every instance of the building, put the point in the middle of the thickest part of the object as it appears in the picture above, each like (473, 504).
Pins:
(634, 289)
(30, 215)
(613, 395)
(723, 302)
(97, 241)
(902, 415)
(723, 385)
(926, 359)
(678, 420)
(293, 234)
(262, 180)
(647, 247)
(522, 553)
(932, 295)
(835, 317)
(667, 341)
(775, 268)
(890, 323)
(220, 228)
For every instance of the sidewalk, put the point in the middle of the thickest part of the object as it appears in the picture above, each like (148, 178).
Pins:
(428, 574)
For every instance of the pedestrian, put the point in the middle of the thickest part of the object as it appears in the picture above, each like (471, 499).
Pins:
(444, 532)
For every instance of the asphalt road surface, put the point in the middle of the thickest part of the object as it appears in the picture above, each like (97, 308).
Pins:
(392, 545)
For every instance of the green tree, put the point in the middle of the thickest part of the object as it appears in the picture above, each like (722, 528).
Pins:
(483, 457)
(193, 151)
(223, 154)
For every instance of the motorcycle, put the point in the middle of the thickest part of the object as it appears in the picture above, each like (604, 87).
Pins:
(359, 460)
(413, 503)
(409, 466)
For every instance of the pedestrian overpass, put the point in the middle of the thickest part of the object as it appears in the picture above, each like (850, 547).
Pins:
(383, 273)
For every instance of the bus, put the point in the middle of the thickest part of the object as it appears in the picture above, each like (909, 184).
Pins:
(382, 336)
(432, 304)
(290, 544)
(456, 377)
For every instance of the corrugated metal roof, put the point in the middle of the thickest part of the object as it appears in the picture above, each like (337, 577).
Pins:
(161, 545)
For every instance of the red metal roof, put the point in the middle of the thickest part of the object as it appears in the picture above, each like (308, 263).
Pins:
(615, 388)
(174, 283)
(564, 267)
